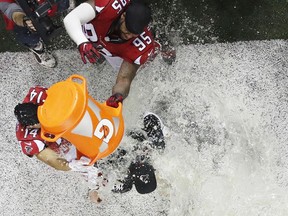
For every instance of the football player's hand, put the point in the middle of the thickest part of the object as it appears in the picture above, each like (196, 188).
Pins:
(27, 22)
(114, 100)
(87, 50)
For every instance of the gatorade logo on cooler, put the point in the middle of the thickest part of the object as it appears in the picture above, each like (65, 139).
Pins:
(94, 128)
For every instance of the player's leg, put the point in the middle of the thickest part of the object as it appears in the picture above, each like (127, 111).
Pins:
(35, 45)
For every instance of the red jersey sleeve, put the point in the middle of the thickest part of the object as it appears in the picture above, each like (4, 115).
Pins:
(100, 4)
(61, 146)
(30, 140)
(36, 95)
(32, 147)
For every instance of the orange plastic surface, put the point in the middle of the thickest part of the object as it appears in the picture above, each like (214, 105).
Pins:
(94, 128)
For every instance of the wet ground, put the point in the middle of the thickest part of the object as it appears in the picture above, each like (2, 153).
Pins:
(225, 105)
(204, 21)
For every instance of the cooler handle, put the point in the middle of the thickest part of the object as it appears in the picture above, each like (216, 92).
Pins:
(50, 139)
(83, 84)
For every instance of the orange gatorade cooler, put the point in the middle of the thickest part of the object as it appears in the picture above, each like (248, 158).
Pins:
(94, 128)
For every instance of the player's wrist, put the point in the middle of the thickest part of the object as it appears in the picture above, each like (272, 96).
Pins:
(83, 42)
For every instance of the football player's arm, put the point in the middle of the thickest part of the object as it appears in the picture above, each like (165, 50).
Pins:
(15, 13)
(124, 79)
(51, 158)
(82, 14)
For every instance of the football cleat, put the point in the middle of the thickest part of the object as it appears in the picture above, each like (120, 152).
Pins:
(153, 126)
(43, 57)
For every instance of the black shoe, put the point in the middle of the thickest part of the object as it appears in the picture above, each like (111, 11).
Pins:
(43, 57)
(153, 126)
